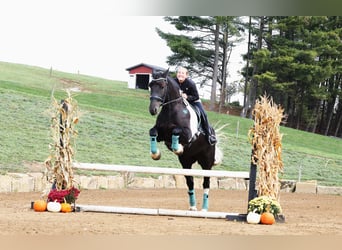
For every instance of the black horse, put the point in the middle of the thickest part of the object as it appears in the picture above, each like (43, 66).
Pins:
(178, 126)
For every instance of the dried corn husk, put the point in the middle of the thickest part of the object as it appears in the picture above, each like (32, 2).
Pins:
(266, 142)
(64, 116)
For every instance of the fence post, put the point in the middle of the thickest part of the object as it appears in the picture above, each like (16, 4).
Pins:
(252, 193)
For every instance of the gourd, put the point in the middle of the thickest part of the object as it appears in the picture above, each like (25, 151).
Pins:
(253, 217)
(66, 207)
(267, 218)
(39, 205)
(54, 206)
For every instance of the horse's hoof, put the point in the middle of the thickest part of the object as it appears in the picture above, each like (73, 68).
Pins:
(192, 208)
(156, 156)
(204, 210)
(180, 150)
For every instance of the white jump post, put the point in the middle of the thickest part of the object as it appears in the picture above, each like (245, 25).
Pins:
(167, 171)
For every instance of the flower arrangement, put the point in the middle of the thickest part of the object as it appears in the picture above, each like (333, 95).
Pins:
(65, 195)
(264, 204)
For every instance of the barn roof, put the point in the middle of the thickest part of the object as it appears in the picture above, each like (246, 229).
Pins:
(153, 67)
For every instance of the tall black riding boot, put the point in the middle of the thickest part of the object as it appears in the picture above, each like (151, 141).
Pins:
(211, 137)
(209, 131)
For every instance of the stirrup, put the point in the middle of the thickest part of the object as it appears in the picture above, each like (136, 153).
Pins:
(212, 140)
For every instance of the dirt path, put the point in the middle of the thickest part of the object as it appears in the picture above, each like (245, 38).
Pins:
(305, 214)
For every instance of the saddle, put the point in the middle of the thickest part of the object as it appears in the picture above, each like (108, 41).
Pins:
(197, 112)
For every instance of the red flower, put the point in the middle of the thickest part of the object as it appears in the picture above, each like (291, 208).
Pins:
(67, 195)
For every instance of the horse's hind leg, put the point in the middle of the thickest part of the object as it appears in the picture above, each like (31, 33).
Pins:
(155, 153)
(206, 186)
(191, 192)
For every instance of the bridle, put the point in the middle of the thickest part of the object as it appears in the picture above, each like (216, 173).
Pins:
(158, 98)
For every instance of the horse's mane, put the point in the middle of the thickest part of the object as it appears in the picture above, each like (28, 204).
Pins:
(173, 82)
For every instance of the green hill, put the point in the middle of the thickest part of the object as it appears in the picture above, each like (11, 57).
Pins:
(115, 122)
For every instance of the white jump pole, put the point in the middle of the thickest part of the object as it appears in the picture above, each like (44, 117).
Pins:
(119, 210)
(198, 214)
(154, 211)
(159, 170)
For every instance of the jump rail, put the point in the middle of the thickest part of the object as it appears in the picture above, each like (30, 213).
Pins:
(159, 170)
(154, 211)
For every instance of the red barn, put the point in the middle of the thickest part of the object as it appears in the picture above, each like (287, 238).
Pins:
(140, 75)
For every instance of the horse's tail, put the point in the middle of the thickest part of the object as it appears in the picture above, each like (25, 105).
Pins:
(218, 151)
(218, 155)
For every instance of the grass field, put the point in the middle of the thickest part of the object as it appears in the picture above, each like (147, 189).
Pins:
(115, 122)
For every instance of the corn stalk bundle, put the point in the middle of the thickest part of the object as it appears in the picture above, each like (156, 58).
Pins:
(266, 142)
(64, 116)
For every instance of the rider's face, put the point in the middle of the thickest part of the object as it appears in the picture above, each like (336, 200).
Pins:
(181, 75)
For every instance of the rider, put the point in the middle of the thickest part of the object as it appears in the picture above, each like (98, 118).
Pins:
(190, 93)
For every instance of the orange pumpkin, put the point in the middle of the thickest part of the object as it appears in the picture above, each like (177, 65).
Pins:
(66, 207)
(267, 218)
(39, 205)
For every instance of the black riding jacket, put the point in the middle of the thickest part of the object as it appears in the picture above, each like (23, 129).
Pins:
(189, 88)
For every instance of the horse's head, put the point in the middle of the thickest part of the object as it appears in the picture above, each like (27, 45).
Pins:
(158, 90)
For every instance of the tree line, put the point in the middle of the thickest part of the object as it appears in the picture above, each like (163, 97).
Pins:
(296, 60)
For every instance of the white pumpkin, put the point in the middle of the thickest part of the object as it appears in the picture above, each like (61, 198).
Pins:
(253, 218)
(54, 206)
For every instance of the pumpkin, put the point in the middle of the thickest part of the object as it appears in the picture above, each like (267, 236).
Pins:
(253, 217)
(66, 207)
(54, 206)
(267, 218)
(39, 205)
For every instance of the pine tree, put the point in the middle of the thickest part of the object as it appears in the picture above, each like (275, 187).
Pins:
(297, 61)
(194, 48)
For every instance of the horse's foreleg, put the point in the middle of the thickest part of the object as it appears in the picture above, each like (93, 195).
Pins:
(191, 192)
(206, 186)
(176, 147)
(155, 153)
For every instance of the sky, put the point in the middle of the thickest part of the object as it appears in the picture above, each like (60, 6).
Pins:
(79, 37)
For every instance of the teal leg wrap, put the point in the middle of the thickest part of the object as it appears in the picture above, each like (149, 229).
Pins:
(175, 142)
(153, 143)
(205, 204)
(192, 198)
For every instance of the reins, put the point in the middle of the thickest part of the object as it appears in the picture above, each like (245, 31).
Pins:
(169, 102)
